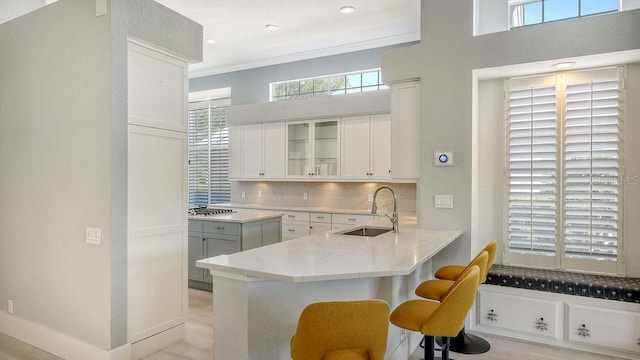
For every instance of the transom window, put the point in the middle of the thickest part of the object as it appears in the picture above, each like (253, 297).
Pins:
(564, 176)
(530, 12)
(336, 84)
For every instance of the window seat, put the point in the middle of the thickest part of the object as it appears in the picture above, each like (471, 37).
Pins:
(568, 283)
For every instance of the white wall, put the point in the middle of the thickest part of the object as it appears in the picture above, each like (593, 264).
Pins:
(445, 60)
(63, 161)
(11, 9)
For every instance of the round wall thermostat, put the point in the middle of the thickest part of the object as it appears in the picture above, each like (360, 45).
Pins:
(442, 158)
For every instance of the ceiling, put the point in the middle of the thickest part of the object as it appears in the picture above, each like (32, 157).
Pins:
(308, 29)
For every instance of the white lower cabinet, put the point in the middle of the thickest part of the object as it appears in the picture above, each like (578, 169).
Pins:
(512, 313)
(297, 224)
(616, 329)
(595, 325)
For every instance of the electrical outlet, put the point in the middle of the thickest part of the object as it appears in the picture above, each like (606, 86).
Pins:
(304, 196)
(403, 335)
(10, 306)
(370, 197)
(244, 194)
(259, 194)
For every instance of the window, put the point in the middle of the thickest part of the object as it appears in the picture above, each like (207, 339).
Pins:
(208, 153)
(564, 170)
(369, 80)
(529, 12)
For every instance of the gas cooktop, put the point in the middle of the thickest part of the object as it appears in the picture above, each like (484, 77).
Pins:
(203, 210)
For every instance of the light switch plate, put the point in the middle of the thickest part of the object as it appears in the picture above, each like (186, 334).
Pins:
(443, 201)
(93, 236)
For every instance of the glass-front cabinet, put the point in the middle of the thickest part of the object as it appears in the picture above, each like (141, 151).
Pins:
(313, 149)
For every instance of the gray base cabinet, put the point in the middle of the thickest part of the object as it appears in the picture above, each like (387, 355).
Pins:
(212, 238)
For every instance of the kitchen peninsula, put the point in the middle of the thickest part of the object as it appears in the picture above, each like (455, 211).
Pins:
(259, 294)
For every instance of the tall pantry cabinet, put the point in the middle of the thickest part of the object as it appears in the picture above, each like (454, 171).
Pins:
(157, 193)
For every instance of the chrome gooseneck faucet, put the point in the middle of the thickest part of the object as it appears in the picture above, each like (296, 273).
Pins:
(394, 217)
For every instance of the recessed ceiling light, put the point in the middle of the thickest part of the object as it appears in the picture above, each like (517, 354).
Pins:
(347, 9)
(563, 65)
(210, 41)
(272, 27)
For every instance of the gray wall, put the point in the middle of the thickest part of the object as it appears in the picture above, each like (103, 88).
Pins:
(252, 86)
(63, 160)
(445, 60)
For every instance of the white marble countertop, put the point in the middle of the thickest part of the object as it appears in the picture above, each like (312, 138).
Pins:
(332, 256)
(239, 216)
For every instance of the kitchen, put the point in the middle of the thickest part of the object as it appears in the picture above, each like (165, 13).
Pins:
(449, 61)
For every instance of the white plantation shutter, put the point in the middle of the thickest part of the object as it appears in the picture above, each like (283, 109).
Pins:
(208, 154)
(592, 189)
(564, 170)
(532, 177)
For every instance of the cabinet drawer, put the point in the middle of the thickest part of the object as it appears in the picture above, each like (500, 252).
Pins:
(195, 227)
(320, 217)
(220, 227)
(319, 228)
(295, 230)
(533, 316)
(295, 216)
(351, 219)
(616, 329)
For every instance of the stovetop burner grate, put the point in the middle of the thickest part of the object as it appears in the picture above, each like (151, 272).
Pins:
(203, 210)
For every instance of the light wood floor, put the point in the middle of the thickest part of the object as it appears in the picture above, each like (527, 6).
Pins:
(198, 343)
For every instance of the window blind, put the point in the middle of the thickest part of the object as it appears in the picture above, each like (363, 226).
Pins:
(532, 153)
(208, 154)
(592, 170)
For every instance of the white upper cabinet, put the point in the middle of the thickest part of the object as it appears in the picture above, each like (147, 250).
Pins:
(260, 153)
(405, 131)
(313, 149)
(157, 90)
(366, 147)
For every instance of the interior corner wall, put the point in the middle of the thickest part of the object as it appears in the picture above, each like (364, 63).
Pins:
(631, 176)
(252, 85)
(13, 9)
(54, 170)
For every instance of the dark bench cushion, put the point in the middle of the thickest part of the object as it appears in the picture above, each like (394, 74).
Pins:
(568, 283)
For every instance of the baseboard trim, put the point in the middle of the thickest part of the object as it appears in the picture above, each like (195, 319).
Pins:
(156, 342)
(57, 343)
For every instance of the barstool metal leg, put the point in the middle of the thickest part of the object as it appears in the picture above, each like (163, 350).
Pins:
(429, 348)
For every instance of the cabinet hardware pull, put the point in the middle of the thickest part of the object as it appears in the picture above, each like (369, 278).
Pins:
(352, 219)
(320, 217)
(583, 331)
(291, 216)
(292, 230)
(492, 316)
(542, 325)
(219, 227)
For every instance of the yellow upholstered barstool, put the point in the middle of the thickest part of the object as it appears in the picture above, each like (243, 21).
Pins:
(342, 330)
(444, 318)
(434, 289)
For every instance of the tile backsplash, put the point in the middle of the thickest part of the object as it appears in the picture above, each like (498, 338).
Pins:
(323, 194)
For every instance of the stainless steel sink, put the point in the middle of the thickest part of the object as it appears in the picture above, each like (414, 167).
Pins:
(365, 231)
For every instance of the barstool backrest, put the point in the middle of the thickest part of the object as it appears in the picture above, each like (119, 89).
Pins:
(342, 327)
(448, 319)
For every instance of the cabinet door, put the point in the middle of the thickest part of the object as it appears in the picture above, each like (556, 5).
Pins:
(220, 245)
(405, 133)
(196, 252)
(380, 151)
(274, 144)
(318, 228)
(355, 147)
(611, 328)
(271, 232)
(298, 150)
(235, 152)
(326, 149)
(252, 151)
(507, 312)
